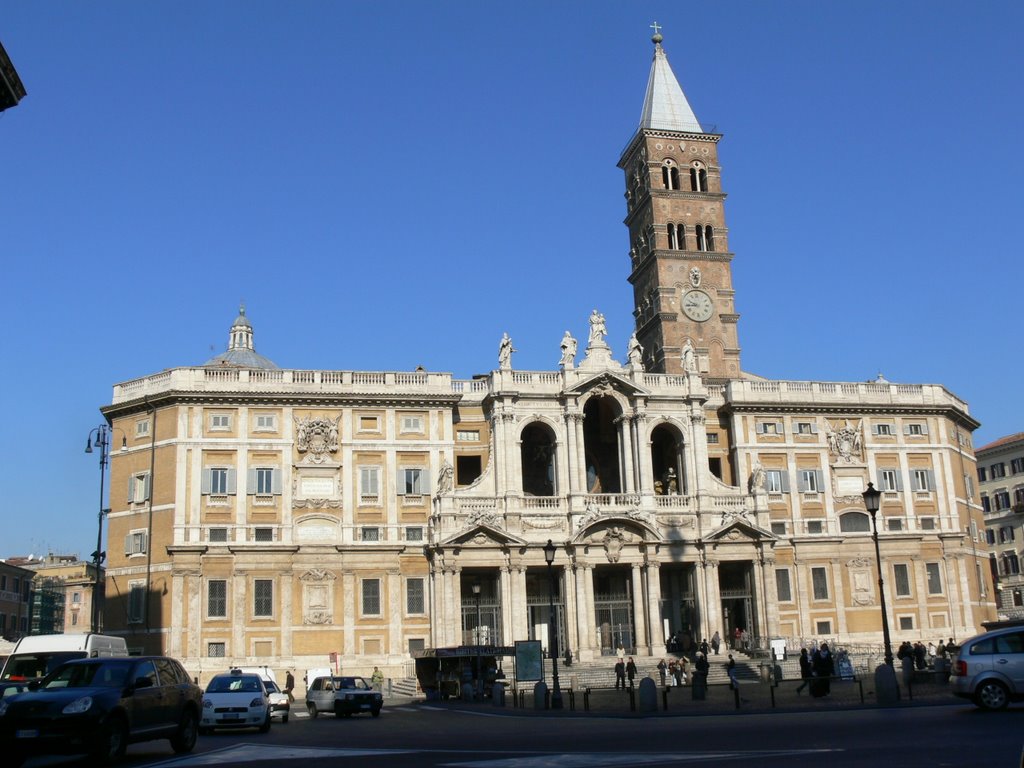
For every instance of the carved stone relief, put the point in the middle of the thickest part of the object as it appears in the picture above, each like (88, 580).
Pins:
(317, 596)
(317, 438)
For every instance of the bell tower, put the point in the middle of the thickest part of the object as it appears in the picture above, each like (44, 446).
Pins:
(679, 245)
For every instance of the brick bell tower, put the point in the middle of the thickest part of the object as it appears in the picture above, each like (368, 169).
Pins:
(679, 245)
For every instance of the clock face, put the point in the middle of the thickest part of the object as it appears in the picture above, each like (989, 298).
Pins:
(697, 306)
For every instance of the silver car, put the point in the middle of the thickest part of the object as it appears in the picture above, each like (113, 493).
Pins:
(989, 668)
(344, 696)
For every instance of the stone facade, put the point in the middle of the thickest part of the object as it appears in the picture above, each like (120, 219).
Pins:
(1001, 483)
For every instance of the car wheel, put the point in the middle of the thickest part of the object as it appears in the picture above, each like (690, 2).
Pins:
(991, 695)
(311, 708)
(185, 738)
(376, 713)
(266, 724)
(284, 719)
(111, 742)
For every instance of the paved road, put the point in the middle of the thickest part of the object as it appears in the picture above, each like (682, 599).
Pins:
(464, 736)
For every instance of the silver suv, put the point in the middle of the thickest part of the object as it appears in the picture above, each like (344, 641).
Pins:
(989, 668)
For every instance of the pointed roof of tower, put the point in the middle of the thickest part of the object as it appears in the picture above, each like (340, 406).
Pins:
(241, 352)
(665, 106)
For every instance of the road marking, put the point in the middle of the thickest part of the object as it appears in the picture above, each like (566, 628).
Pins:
(245, 753)
(591, 759)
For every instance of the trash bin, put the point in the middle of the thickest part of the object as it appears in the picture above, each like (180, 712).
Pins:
(498, 694)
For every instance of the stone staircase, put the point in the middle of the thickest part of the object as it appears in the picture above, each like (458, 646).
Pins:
(601, 672)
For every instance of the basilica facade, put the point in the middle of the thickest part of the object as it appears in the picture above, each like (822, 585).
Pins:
(277, 516)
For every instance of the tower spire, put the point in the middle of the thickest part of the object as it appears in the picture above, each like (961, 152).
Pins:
(665, 105)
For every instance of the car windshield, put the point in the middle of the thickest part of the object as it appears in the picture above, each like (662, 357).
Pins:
(29, 666)
(271, 686)
(351, 682)
(100, 674)
(234, 683)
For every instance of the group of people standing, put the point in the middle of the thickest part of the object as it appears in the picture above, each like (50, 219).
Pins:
(816, 671)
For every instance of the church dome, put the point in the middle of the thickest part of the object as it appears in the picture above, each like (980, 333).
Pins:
(241, 353)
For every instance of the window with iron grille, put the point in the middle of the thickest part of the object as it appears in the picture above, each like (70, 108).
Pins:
(371, 597)
(217, 599)
(263, 597)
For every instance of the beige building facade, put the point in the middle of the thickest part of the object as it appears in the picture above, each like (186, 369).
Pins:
(1001, 484)
(275, 516)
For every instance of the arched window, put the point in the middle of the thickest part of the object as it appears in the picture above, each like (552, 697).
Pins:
(667, 461)
(670, 175)
(537, 452)
(698, 177)
(705, 237)
(854, 522)
(601, 445)
(702, 244)
(673, 244)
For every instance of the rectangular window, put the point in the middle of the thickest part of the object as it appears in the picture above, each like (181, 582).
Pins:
(370, 534)
(263, 534)
(894, 524)
(998, 470)
(266, 422)
(889, 480)
(369, 484)
(901, 579)
(76, 597)
(142, 428)
(416, 644)
(263, 598)
(217, 599)
(1018, 497)
(135, 543)
(414, 596)
(218, 481)
(216, 650)
(218, 534)
(969, 485)
(982, 474)
(823, 627)
(779, 529)
(883, 430)
(815, 526)
(923, 479)
(369, 424)
(371, 597)
(412, 424)
(138, 488)
(811, 481)
(782, 585)
(412, 481)
(74, 619)
(414, 533)
(220, 422)
(1017, 466)
(927, 523)
(775, 481)
(264, 481)
(934, 578)
(986, 504)
(906, 622)
(1002, 499)
(468, 435)
(712, 438)
(819, 580)
(769, 428)
(136, 601)
(806, 428)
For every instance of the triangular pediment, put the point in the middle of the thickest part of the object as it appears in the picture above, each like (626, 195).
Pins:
(483, 535)
(609, 381)
(739, 529)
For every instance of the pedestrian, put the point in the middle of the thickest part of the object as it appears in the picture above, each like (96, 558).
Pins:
(289, 685)
(377, 679)
(806, 673)
(823, 667)
(620, 674)
(920, 655)
(700, 677)
(630, 670)
(906, 656)
(568, 657)
(716, 642)
(744, 640)
(704, 647)
(736, 638)
(730, 669)
(681, 671)
(662, 671)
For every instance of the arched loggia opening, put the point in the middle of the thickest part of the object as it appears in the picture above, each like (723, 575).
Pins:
(601, 440)
(537, 454)
(667, 461)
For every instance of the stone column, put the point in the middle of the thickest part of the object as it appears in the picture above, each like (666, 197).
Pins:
(579, 576)
(350, 593)
(287, 583)
(581, 447)
(917, 563)
(639, 614)
(771, 595)
(626, 453)
(839, 596)
(714, 604)
(657, 627)
(511, 453)
(239, 614)
(499, 458)
(394, 644)
(520, 619)
(571, 460)
(508, 633)
(644, 471)
(455, 622)
(179, 598)
(590, 612)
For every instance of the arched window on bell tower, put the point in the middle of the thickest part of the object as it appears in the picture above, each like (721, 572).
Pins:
(676, 237)
(705, 237)
(698, 177)
(670, 175)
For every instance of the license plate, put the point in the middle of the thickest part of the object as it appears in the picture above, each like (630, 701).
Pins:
(231, 717)
(26, 733)
(364, 706)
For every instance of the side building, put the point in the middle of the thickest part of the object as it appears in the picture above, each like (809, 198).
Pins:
(1001, 479)
(275, 516)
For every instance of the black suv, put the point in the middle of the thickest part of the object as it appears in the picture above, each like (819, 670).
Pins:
(99, 706)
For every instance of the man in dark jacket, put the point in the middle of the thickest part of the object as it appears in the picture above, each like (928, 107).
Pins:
(620, 674)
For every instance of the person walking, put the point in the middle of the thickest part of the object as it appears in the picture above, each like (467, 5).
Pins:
(730, 669)
(716, 642)
(806, 672)
(289, 686)
(630, 670)
(823, 667)
(620, 674)
(377, 679)
(662, 672)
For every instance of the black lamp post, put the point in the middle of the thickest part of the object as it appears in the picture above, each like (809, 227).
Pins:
(556, 693)
(872, 502)
(477, 677)
(102, 433)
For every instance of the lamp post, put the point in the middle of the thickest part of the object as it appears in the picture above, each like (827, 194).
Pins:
(556, 693)
(477, 677)
(886, 689)
(102, 433)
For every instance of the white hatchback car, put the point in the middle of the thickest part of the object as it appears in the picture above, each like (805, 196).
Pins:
(235, 700)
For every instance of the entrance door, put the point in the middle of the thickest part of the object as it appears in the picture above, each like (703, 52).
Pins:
(736, 580)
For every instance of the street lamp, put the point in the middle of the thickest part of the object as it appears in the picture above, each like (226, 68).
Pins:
(102, 433)
(886, 689)
(477, 677)
(556, 693)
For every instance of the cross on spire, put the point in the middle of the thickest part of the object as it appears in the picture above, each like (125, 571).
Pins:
(656, 27)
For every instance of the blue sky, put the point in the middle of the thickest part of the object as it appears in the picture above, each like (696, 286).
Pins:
(393, 184)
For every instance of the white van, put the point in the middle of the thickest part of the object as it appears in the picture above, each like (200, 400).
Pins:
(37, 655)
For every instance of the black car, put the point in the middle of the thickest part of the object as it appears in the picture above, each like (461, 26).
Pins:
(99, 706)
